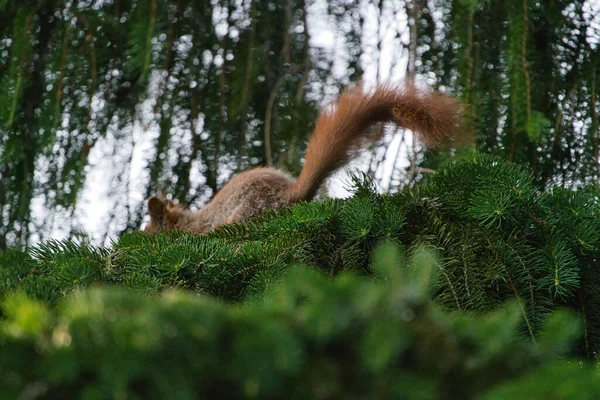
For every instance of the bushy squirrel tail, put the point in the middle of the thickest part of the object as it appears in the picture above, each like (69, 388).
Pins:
(347, 126)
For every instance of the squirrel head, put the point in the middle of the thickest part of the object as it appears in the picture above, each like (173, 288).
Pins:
(164, 214)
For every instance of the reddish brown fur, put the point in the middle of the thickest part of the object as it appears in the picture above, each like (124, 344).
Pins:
(341, 131)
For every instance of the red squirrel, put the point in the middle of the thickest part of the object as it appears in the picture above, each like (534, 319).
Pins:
(342, 130)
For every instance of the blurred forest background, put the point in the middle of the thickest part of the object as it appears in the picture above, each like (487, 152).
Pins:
(104, 103)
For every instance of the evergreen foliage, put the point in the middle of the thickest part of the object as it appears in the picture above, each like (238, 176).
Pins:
(311, 337)
(500, 239)
(530, 70)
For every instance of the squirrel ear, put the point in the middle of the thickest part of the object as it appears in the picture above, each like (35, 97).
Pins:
(156, 208)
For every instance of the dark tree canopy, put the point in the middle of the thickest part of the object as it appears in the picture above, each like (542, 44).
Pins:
(207, 88)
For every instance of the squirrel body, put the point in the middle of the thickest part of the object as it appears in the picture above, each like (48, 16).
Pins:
(341, 131)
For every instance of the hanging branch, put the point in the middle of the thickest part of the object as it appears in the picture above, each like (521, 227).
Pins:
(552, 149)
(89, 39)
(525, 66)
(379, 39)
(513, 130)
(221, 129)
(94, 75)
(32, 99)
(524, 63)
(287, 38)
(247, 79)
(373, 163)
(268, 117)
(306, 66)
(285, 51)
(61, 79)
(19, 83)
(166, 67)
(149, 34)
(199, 97)
(413, 12)
(469, 55)
(221, 112)
(164, 122)
(595, 127)
(195, 147)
